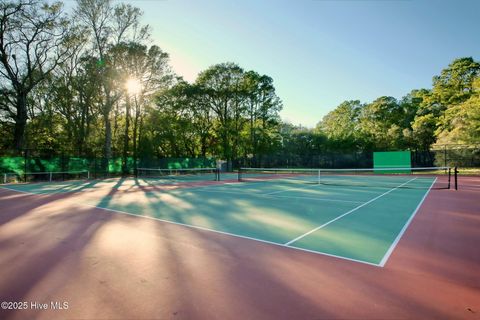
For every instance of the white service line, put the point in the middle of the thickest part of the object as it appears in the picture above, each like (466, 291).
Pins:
(346, 213)
(267, 195)
(394, 244)
(290, 189)
(315, 199)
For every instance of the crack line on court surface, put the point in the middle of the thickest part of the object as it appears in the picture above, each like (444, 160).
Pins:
(346, 213)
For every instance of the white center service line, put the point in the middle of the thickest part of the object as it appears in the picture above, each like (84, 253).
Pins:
(346, 213)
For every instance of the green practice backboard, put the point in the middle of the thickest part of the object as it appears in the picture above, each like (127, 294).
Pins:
(392, 159)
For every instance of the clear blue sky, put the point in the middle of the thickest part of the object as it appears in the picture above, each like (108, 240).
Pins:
(319, 52)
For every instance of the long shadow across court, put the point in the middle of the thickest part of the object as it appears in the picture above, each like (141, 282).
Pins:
(360, 224)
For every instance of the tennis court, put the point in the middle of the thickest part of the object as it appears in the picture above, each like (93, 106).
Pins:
(353, 215)
(258, 243)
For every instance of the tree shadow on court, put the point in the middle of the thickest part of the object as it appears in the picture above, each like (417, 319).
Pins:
(392, 296)
(280, 283)
(46, 247)
(107, 199)
(13, 202)
(207, 279)
(225, 214)
(193, 274)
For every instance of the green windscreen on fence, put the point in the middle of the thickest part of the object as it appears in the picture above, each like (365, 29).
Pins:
(95, 165)
(392, 159)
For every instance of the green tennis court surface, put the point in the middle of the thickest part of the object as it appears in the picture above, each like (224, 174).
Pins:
(352, 222)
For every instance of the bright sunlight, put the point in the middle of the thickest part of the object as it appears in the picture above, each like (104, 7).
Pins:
(133, 86)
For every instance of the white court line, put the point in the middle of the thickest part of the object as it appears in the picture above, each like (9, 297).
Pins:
(267, 195)
(290, 189)
(205, 229)
(21, 191)
(200, 189)
(346, 213)
(316, 199)
(394, 244)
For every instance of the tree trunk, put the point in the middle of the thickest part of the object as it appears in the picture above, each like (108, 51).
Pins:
(107, 150)
(203, 142)
(125, 138)
(20, 122)
(135, 130)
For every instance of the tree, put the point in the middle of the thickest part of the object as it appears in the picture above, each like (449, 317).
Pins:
(421, 133)
(379, 123)
(34, 40)
(220, 85)
(191, 108)
(452, 88)
(461, 123)
(341, 124)
(145, 68)
(411, 105)
(109, 26)
(173, 123)
(454, 85)
(262, 108)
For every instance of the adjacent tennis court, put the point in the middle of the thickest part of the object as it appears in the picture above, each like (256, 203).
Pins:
(355, 214)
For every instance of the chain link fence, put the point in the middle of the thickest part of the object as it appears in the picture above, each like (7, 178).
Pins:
(463, 156)
(31, 161)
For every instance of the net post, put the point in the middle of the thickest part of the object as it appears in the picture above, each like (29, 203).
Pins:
(239, 174)
(319, 176)
(50, 176)
(449, 175)
(88, 175)
(5, 178)
(455, 177)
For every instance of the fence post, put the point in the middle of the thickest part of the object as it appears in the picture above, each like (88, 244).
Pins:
(25, 157)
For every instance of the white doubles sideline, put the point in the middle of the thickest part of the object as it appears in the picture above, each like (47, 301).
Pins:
(400, 234)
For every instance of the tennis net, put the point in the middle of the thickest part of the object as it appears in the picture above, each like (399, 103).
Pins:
(50, 176)
(440, 177)
(190, 174)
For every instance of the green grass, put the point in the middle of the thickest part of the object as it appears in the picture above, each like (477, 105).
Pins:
(469, 171)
